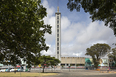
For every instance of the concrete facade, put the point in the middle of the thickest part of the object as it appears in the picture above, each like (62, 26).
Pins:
(67, 61)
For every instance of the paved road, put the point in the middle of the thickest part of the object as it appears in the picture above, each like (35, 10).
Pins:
(82, 73)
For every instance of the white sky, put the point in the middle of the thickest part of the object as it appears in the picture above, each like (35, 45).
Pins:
(78, 32)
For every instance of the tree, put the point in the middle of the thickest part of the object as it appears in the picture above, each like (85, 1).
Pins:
(89, 62)
(77, 65)
(62, 66)
(22, 31)
(97, 51)
(103, 10)
(112, 56)
(48, 61)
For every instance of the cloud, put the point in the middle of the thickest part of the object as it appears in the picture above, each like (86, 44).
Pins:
(51, 51)
(95, 31)
(64, 23)
(50, 38)
(50, 19)
(50, 10)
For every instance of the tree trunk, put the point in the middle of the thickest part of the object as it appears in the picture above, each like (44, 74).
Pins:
(43, 68)
(15, 70)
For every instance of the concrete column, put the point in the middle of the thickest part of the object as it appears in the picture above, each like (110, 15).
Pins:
(75, 62)
(58, 33)
(65, 65)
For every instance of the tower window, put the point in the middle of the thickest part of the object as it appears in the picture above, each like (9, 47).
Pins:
(57, 30)
(57, 21)
(57, 43)
(57, 35)
(57, 52)
(57, 39)
(57, 17)
(57, 26)
(57, 48)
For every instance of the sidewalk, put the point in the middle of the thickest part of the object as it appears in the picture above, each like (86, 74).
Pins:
(103, 71)
(107, 71)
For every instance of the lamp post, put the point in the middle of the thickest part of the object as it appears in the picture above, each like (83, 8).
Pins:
(66, 60)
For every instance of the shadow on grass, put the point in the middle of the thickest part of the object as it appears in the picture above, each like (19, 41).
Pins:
(49, 72)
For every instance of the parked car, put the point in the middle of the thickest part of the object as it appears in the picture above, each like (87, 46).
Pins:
(13, 70)
(20, 70)
(2, 70)
(8, 70)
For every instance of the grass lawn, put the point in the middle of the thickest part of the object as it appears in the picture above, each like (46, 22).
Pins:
(24, 74)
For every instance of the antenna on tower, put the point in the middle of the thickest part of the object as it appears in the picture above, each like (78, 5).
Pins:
(58, 9)
(57, 5)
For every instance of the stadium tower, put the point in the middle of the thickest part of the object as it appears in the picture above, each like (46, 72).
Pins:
(58, 33)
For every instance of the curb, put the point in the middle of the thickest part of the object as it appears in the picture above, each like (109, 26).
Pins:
(107, 72)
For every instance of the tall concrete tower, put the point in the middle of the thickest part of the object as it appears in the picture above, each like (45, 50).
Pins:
(58, 33)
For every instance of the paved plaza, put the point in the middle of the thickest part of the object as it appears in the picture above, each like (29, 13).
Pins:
(82, 73)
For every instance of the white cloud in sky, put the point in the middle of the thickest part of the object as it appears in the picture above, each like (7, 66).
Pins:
(51, 51)
(50, 10)
(65, 22)
(93, 32)
(76, 37)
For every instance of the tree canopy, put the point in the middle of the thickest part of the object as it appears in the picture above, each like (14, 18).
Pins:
(22, 31)
(113, 54)
(103, 10)
(97, 51)
(48, 61)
